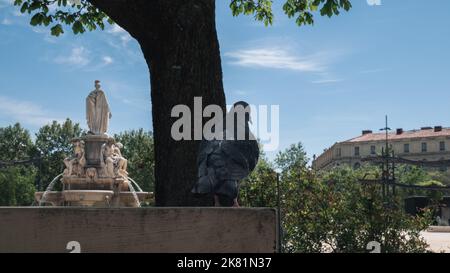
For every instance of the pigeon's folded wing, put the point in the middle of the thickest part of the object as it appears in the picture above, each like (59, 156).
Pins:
(205, 150)
(235, 162)
(206, 174)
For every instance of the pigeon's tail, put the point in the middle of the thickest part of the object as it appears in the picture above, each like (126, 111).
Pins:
(228, 189)
(225, 201)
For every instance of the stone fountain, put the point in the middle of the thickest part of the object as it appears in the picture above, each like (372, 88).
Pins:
(96, 173)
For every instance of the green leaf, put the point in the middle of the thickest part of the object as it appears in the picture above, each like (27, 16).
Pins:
(57, 30)
(77, 27)
(24, 7)
(36, 19)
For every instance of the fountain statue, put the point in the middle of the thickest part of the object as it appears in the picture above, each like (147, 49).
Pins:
(97, 111)
(96, 173)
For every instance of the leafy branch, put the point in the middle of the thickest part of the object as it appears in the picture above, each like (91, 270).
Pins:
(79, 15)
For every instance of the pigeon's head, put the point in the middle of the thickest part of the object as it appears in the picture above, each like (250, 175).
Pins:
(241, 111)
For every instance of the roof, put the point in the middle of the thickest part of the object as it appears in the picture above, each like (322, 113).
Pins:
(423, 133)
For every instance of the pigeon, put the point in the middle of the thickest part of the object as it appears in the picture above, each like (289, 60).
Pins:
(228, 158)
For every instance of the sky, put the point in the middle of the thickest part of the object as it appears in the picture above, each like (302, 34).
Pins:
(331, 80)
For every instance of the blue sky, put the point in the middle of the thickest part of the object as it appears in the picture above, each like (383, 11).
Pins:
(331, 80)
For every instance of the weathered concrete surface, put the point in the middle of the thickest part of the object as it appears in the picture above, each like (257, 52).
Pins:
(168, 230)
(438, 238)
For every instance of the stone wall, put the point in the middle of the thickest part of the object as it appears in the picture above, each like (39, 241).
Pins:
(149, 230)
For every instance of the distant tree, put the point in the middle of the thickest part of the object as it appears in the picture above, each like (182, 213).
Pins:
(15, 143)
(139, 150)
(335, 213)
(17, 185)
(361, 214)
(331, 211)
(411, 175)
(17, 182)
(53, 143)
(292, 159)
(259, 189)
(180, 45)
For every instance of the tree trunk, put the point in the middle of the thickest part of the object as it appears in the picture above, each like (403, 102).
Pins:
(179, 42)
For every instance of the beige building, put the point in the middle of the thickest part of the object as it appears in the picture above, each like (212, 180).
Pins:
(428, 144)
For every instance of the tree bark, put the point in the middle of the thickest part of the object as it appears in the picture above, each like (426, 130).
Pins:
(179, 41)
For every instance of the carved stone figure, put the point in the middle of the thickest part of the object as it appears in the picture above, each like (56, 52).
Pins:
(107, 159)
(91, 173)
(97, 111)
(114, 164)
(120, 161)
(75, 163)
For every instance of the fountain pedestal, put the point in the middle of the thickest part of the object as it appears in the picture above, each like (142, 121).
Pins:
(93, 147)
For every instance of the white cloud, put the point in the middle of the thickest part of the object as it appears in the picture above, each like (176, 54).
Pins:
(123, 35)
(107, 60)
(25, 112)
(376, 70)
(374, 2)
(116, 29)
(6, 22)
(125, 39)
(276, 58)
(39, 30)
(78, 56)
(324, 81)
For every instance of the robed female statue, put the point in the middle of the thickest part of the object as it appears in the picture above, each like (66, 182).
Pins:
(97, 111)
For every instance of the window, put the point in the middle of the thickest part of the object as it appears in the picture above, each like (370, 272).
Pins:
(424, 147)
(406, 147)
(442, 146)
(356, 151)
(338, 152)
(373, 150)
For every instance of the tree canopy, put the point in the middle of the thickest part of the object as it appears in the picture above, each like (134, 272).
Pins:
(83, 15)
(138, 150)
(17, 182)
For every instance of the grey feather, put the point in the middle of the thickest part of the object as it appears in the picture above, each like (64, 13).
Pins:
(222, 163)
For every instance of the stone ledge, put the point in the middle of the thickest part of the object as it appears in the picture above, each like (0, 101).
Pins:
(148, 230)
(445, 229)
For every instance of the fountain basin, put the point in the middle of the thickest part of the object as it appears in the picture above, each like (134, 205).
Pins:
(55, 198)
(87, 198)
(127, 198)
(92, 198)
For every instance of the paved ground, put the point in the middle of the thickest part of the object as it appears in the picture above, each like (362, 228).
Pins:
(438, 241)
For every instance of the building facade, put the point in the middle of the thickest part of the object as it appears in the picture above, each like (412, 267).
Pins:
(426, 144)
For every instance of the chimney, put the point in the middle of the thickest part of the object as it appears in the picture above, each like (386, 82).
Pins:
(366, 132)
(437, 128)
(426, 128)
(399, 131)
